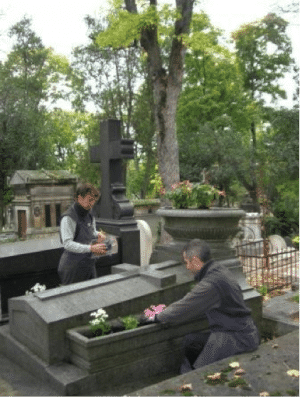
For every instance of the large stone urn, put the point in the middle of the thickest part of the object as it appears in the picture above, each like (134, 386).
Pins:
(217, 226)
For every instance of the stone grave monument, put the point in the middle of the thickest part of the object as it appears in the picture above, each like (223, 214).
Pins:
(45, 334)
(114, 212)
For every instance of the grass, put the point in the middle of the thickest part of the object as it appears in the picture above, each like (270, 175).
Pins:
(237, 382)
(291, 392)
(295, 298)
(187, 393)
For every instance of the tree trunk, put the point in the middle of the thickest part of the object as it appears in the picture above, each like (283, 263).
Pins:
(253, 192)
(166, 99)
(166, 86)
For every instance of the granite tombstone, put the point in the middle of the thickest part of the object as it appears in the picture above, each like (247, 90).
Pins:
(114, 212)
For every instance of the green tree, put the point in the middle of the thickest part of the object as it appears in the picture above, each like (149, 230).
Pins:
(107, 77)
(28, 80)
(214, 111)
(281, 170)
(152, 27)
(68, 136)
(264, 51)
(143, 123)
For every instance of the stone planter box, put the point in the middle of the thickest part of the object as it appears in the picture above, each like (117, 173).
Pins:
(145, 207)
(146, 351)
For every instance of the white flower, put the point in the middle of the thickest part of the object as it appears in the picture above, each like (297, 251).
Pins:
(94, 322)
(100, 314)
(38, 287)
(94, 314)
(235, 364)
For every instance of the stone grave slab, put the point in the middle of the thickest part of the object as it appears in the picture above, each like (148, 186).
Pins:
(39, 324)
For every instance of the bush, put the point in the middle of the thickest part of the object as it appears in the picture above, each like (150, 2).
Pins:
(285, 208)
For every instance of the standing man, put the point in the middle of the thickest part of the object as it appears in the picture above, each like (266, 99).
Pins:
(218, 296)
(77, 232)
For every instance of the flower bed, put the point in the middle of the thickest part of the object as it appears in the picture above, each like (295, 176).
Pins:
(147, 349)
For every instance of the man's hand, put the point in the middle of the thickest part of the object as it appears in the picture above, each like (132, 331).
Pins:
(101, 237)
(98, 249)
(146, 320)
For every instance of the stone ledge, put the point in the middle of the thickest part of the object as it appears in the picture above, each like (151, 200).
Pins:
(84, 285)
(265, 370)
(159, 279)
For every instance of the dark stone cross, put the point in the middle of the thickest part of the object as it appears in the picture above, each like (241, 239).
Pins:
(114, 212)
(110, 153)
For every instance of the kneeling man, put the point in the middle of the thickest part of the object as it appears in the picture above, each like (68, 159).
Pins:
(218, 296)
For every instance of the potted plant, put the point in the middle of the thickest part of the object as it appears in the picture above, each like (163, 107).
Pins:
(193, 216)
(180, 195)
(185, 194)
(99, 345)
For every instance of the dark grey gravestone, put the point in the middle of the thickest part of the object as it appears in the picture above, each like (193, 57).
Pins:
(114, 212)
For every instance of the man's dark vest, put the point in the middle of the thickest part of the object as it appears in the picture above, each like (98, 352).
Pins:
(233, 312)
(75, 267)
(84, 224)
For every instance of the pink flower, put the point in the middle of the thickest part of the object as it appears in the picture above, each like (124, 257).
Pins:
(155, 310)
(149, 313)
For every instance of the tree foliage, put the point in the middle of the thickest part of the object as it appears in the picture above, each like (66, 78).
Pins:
(109, 78)
(106, 76)
(29, 77)
(214, 111)
(281, 170)
(149, 26)
(264, 51)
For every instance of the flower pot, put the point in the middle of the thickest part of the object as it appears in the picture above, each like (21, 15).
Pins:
(217, 226)
(145, 351)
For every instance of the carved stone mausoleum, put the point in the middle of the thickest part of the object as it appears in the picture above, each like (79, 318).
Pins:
(40, 197)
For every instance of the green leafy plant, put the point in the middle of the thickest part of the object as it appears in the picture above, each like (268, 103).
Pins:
(204, 195)
(180, 195)
(99, 325)
(157, 184)
(263, 290)
(296, 241)
(130, 322)
(295, 298)
(237, 381)
(185, 194)
(188, 393)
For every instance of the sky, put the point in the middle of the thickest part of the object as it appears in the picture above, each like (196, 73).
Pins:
(60, 23)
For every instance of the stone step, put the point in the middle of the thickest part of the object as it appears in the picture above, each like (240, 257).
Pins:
(265, 371)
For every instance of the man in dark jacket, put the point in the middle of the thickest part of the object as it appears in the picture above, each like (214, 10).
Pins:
(218, 296)
(77, 232)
